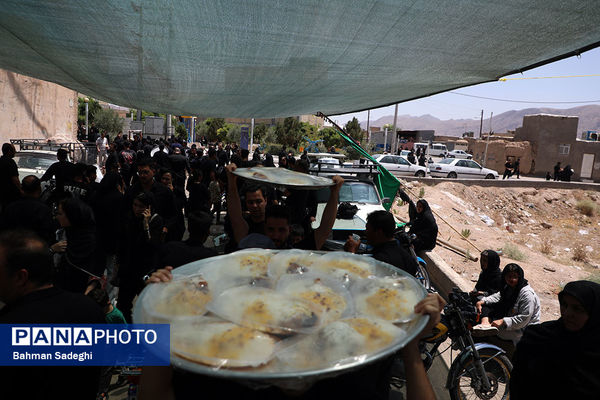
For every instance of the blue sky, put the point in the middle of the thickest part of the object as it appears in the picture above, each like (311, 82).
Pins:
(540, 91)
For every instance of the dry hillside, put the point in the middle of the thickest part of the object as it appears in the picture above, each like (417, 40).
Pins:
(554, 234)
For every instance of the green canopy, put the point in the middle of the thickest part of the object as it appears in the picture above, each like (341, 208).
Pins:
(386, 183)
(272, 58)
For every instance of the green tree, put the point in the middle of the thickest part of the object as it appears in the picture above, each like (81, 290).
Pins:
(180, 132)
(108, 120)
(260, 132)
(354, 130)
(331, 137)
(233, 133)
(93, 108)
(212, 127)
(289, 133)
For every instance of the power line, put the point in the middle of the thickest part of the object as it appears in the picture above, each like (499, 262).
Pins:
(524, 101)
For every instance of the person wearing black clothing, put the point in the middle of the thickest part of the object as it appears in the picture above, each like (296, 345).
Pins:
(209, 166)
(559, 359)
(107, 204)
(557, 171)
(79, 259)
(177, 253)
(268, 161)
(179, 165)
(490, 277)
(380, 234)
(508, 169)
(10, 187)
(29, 212)
(161, 158)
(422, 160)
(26, 287)
(112, 160)
(141, 236)
(517, 166)
(62, 170)
(127, 158)
(178, 228)
(566, 173)
(411, 157)
(422, 223)
(164, 200)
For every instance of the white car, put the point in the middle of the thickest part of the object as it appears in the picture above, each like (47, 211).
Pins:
(36, 162)
(455, 168)
(459, 154)
(359, 192)
(399, 165)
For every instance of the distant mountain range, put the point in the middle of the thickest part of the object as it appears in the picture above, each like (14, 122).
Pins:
(589, 119)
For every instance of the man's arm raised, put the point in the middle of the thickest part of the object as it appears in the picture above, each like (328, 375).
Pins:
(234, 206)
(329, 213)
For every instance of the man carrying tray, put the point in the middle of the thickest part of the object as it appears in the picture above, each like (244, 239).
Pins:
(274, 220)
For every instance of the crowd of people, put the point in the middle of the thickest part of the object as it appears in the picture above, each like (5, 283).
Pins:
(84, 251)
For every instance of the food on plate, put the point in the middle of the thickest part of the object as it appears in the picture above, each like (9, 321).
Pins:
(341, 342)
(245, 264)
(330, 297)
(346, 267)
(181, 297)
(291, 262)
(389, 298)
(266, 310)
(222, 344)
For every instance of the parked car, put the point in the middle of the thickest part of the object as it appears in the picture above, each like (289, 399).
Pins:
(399, 165)
(456, 168)
(36, 162)
(459, 154)
(404, 153)
(438, 149)
(359, 192)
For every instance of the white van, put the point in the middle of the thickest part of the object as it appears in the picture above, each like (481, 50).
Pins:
(422, 146)
(438, 149)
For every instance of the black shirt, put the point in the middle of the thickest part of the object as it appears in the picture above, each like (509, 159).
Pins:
(8, 170)
(63, 171)
(397, 255)
(51, 306)
(31, 214)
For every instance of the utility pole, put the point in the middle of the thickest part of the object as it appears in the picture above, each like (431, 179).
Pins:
(487, 142)
(395, 136)
(368, 120)
(481, 124)
(385, 141)
(251, 134)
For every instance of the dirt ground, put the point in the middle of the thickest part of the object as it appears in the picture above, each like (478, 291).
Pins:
(544, 231)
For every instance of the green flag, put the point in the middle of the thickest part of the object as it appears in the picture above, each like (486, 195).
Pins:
(386, 183)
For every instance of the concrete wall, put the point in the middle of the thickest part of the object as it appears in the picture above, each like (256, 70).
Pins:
(547, 133)
(501, 150)
(35, 109)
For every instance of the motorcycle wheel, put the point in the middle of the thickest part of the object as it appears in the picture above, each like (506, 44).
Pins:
(423, 276)
(467, 384)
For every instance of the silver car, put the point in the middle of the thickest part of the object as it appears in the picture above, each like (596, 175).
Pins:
(400, 166)
(454, 168)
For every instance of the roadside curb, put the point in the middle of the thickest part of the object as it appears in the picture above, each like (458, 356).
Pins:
(443, 277)
(506, 183)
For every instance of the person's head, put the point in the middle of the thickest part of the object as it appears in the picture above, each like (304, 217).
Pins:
(380, 227)
(31, 186)
(199, 225)
(103, 133)
(142, 202)
(301, 166)
(212, 153)
(489, 260)
(110, 182)
(244, 154)
(100, 297)
(277, 225)
(256, 201)
(91, 173)
(166, 177)
(421, 206)
(61, 154)
(25, 264)
(145, 171)
(514, 276)
(296, 233)
(580, 306)
(161, 146)
(73, 212)
(8, 150)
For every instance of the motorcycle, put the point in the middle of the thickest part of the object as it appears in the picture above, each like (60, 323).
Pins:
(480, 371)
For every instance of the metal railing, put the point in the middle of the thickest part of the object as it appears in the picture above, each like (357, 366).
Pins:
(78, 151)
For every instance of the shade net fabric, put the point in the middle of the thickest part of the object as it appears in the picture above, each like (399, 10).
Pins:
(253, 58)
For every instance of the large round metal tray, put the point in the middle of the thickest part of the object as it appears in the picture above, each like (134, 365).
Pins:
(284, 177)
(296, 379)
